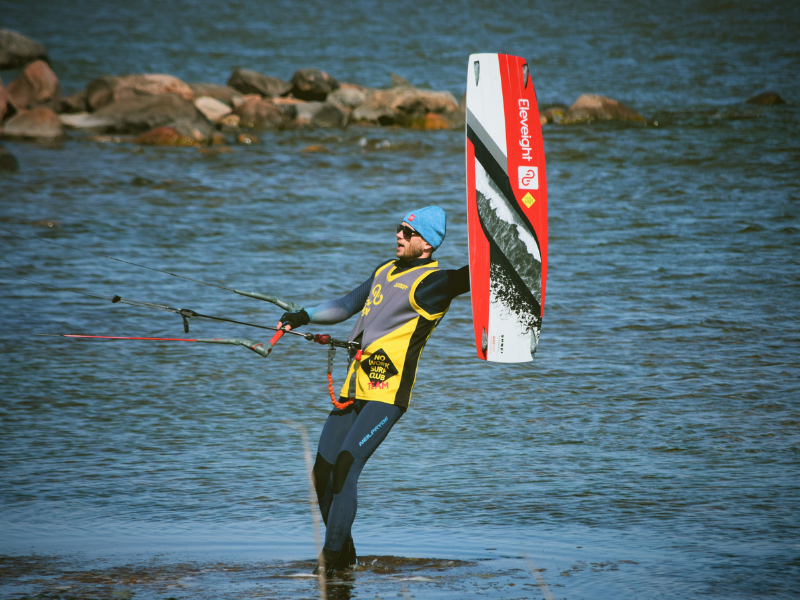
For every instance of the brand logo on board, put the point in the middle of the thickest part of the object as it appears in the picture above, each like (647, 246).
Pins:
(524, 106)
(528, 177)
(528, 200)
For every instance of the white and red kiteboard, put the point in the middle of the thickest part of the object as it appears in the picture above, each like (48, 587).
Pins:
(506, 207)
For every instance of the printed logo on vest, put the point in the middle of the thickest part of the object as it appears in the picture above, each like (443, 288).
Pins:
(379, 368)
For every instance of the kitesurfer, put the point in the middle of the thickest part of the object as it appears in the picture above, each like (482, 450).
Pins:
(400, 305)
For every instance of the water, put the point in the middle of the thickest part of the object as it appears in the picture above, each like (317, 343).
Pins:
(657, 425)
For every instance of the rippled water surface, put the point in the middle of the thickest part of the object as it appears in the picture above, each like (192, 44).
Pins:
(650, 450)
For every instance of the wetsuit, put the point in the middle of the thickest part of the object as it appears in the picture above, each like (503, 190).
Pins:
(352, 434)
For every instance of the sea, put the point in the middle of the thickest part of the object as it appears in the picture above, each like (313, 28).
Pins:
(650, 450)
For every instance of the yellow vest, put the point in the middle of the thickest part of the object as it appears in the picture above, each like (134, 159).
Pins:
(392, 330)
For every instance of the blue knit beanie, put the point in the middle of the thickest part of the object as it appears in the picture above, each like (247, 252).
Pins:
(430, 222)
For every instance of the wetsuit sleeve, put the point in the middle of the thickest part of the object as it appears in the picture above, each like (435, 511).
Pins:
(341, 309)
(438, 289)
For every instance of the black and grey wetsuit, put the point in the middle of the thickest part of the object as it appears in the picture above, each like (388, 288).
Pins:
(352, 434)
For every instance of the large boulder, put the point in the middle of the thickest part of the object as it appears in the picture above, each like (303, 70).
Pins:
(213, 109)
(142, 113)
(37, 85)
(39, 123)
(766, 99)
(593, 107)
(404, 106)
(16, 50)
(263, 113)
(252, 82)
(312, 84)
(108, 89)
(223, 93)
(320, 114)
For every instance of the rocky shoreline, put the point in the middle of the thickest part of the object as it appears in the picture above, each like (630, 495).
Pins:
(160, 109)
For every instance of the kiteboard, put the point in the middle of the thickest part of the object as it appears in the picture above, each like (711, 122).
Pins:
(506, 207)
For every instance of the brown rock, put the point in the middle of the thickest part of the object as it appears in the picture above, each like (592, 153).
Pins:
(164, 136)
(313, 85)
(39, 123)
(316, 149)
(223, 93)
(593, 107)
(142, 113)
(16, 50)
(8, 162)
(403, 106)
(76, 103)
(258, 113)
(252, 82)
(766, 99)
(320, 114)
(37, 85)
(432, 121)
(108, 89)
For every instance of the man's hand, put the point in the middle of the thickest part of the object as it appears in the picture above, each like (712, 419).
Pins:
(292, 320)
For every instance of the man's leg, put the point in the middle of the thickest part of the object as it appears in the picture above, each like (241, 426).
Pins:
(371, 426)
(336, 428)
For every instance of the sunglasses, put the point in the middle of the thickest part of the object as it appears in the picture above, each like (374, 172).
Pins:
(408, 233)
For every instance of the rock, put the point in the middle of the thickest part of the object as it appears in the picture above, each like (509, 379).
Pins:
(16, 50)
(431, 121)
(223, 93)
(218, 139)
(8, 162)
(395, 81)
(213, 109)
(76, 103)
(252, 82)
(349, 97)
(165, 136)
(85, 121)
(403, 106)
(247, 139)
(316, 149)
(262, 113)
(766, 99)
(312, 84)
(320, 114)
(231, 121)
(593, 107)
(553, 114)
(142, 113)
(4, 106)
(37, 85)
(39, 123)
(108, 89)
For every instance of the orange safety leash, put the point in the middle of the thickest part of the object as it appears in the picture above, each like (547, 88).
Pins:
(336, 403)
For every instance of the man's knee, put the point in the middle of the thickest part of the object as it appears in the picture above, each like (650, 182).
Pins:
(321, 474)
(341, 469)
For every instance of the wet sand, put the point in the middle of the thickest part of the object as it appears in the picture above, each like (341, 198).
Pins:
(67, 578)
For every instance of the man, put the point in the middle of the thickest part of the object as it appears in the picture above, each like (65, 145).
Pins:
(400, 304)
